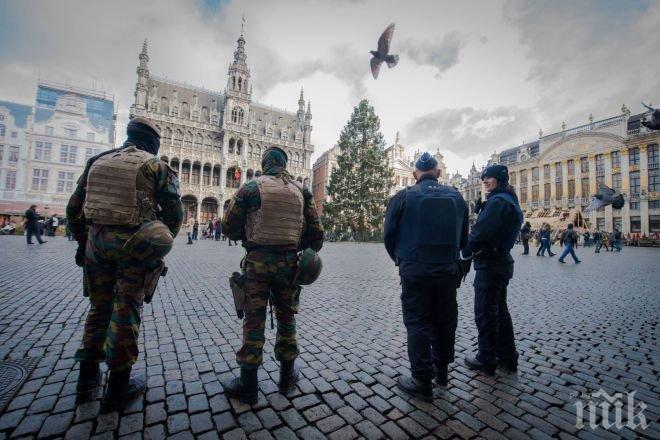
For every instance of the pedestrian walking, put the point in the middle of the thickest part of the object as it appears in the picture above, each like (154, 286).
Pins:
(275, 217)
(32, 227)
(616, 240)
(545, 238)
(525, 235)
(54, 224)
(122, 239)
(218, 230)
(195, 229)
(490, 243)
(598, 243)
(426, 225)
(569, 239)
(189, 229)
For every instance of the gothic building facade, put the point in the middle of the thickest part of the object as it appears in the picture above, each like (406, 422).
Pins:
(215, 139)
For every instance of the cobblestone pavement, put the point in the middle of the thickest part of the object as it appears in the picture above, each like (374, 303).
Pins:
(579, 329)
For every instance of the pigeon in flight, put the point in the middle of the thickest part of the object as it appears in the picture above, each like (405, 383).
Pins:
(382, 54)
(605, 196)
(654, 123)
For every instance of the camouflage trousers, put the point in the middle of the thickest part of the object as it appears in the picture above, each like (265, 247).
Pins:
(115, 283)
(269, 275)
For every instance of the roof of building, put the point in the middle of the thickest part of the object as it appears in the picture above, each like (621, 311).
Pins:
(185, 93)
(99, 109)
(19, 112)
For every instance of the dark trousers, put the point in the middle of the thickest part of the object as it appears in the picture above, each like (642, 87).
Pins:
(194, 234)
(33, 230)
(525, 243)
(496, 340)
(430, 314)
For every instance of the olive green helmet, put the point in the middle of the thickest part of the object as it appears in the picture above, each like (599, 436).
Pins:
(151, 242)
(309, 268)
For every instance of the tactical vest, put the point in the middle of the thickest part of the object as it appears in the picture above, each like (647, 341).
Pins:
(279, 221)
(509, 232)
(117, 192)
(431, 224)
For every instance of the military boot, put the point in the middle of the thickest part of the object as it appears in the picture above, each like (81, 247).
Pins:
(89, 379)
(243, 388)
(441, 375)
(121, 389)
(288, 376)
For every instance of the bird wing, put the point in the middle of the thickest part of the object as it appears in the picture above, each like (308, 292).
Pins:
(375, 67)
(385, 39)
(594, 205)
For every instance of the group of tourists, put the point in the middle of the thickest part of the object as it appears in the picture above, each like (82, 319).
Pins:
(569, 239)
(211, 230)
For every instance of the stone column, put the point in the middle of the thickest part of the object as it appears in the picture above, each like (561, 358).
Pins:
(609, 212)
(625, 190)
(529, 187)
(223, 176)
(644, 189)
(553, 184)
(541, 186)
(564, 184)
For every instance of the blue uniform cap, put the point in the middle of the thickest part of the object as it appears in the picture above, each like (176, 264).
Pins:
(426, 162)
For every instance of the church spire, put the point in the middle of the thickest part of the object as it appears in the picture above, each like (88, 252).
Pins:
(301, 108)
(238, 81)
(308, 115)
(141, 87)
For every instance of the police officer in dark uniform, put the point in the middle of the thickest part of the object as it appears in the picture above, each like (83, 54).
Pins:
(489, 243)
(426, 225)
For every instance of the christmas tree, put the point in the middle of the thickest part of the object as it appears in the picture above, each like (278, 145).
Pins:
(360, 183)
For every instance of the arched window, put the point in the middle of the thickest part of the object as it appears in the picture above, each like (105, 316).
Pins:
(237, 115)
(240, 84)
(233, 82)
(239, 147)
(232, 145)
(250, 152)
(168, 133)
(198, 141)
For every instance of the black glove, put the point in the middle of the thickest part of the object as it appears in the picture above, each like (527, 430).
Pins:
(80, 254)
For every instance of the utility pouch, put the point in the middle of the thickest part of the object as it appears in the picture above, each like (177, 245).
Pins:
(155, 270)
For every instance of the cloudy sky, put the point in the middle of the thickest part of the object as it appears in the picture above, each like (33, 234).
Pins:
(474, 77)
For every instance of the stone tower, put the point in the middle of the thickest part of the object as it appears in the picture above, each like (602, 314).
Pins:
(142, 85)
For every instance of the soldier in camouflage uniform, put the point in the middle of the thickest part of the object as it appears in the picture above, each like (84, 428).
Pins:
(275, 217)
(119, 191)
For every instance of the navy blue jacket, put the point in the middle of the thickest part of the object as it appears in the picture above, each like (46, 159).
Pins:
(488, 238)
(394, 234)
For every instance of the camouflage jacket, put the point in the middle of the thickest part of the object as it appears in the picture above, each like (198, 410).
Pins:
(167, 197)
(247, 199)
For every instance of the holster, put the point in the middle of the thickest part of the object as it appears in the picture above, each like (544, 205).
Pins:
(237, 282)
(466, 265)
(155, 270)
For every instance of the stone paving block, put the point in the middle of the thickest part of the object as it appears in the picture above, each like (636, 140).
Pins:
(30, 425)
(224, 421)
(249, 422)
(56, 424)
(345, 433)
(155, 414)
(236, 434)
(177, 423)
(284, 433)
(130, 424)
(293, 418)
(201, 422)
(79, 431)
